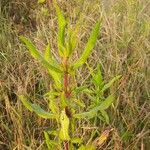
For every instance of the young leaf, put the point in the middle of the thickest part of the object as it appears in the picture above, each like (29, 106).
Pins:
(51, 144)
(89, 46)
(36, 54)
(36, 108)
(64, 131)
(103, 106)
(25, 102)
(109, 84)
(71, 40)
(47, 54)
(42, 113)
(61, 29)
(105, 115)
(41, 1)
(76, 140)
(79, 102)
(97, 77)
(56, 76)
(88, 147)
(53, 106)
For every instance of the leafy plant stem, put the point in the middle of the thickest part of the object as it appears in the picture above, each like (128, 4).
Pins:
(67, 93)
(66, 144)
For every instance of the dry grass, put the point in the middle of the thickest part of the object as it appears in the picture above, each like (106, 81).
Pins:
(123, 48)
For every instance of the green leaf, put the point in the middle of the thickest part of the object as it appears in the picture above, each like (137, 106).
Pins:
(76, 140)
(47, 54)
(53, 106)
(105, 115)
(92, 113)
(51, 144)
(25, 102)
(36, 54)
(109, 84)
(97, 77)
(79, 102)
(41, 1)
(82, 89)
(61, 29)
(64, 131)
(56, 76)
(36, 108)
(42, 113)
(88, 48)
(53, 132)
(88, 147)
(71, 40)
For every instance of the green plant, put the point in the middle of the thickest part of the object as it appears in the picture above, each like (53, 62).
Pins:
(64, 104)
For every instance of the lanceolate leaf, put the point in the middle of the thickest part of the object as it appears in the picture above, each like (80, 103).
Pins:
(89, 46)
(36, 54)
(36, 108)
(109, 84)
(64, 131)
(97, 77)
(51, 144)
(47, 54)
(103, 106)
(71, 40)
(87, 147)
(61, 29)
(25, 102)
(41, 1)
(56, 76)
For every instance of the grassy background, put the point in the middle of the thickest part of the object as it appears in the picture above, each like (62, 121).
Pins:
(123, 48)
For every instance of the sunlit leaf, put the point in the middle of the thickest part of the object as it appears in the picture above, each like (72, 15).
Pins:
(36, 54)
(51, 144)
(53, 106)
(97, 76)
(47, 53)
(71, 40)
(109, 84)
(88, 147)
(79, 102)
(103, 106)
(89, 46)
(53, 132)
(56, 76)
(26, 103)
(64, 131)
(105, 115)
(36, 108)
(61, 28)
(76, 140)
(41, 1)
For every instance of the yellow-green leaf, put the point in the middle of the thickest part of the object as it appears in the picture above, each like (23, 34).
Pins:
(61, 28)
(36, 54)
(88, 147)
(103, 106)
(36, 108)
(56, 76)
(89, 46)
(109, 84)
(25, 102)
(47, 54)
(41, 1)
(64, 131)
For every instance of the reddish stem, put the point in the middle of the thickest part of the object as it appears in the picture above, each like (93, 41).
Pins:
(66, 144)
(67, 94)
(66, 79)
